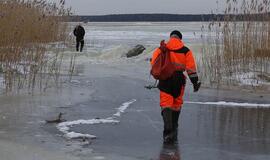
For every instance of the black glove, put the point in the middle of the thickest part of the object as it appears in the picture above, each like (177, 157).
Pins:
(196, 86)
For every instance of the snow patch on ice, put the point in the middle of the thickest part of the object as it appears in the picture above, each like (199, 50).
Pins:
(78, 135)
(249, 79)
(75, 81)
(2, 82)
(64, 127)
(223, 103)
(123, 107)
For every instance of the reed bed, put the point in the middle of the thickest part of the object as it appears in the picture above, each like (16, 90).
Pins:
(27, 29)
(236, 46)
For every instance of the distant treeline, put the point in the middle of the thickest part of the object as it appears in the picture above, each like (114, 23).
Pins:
(159, 17)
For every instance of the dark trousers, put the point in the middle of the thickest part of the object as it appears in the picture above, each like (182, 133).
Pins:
(170, 118)
(79, 43)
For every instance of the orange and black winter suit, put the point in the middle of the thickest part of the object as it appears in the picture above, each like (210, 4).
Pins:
(172, 89)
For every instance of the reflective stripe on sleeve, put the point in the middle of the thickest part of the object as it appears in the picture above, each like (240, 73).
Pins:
(193, 75)
(190, 71)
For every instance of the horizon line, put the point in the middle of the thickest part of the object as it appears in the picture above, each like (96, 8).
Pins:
(150, 14)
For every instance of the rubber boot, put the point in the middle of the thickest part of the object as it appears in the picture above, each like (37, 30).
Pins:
(167, 115)
(175, 124)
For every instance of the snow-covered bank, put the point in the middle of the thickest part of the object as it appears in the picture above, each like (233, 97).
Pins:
(64, 127)
(232, 104)
(2, 85)
(255, 79)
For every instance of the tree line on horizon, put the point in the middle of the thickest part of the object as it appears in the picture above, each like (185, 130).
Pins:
(160, 17)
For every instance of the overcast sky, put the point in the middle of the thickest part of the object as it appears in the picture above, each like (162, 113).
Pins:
(102, 7)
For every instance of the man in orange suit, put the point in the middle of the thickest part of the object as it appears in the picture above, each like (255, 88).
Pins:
(172, 89)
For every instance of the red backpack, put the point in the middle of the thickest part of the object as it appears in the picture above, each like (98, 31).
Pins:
(163, 68)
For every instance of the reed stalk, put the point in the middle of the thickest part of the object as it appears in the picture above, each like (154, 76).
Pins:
(28, 30)
(237, 46)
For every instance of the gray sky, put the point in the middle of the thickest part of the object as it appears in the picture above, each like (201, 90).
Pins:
(101, 7)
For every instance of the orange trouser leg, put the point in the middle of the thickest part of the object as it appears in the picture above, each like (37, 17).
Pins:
(168, 101)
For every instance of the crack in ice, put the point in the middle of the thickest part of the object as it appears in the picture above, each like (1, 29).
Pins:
(64, 127)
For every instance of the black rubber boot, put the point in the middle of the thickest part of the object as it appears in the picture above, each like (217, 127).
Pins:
(167, 115)
(175, 117)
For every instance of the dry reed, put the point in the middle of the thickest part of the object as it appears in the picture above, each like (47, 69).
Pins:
(27, 29)
(237, 46)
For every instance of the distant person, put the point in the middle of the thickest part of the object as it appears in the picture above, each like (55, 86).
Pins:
(172, 88)
(79, 32)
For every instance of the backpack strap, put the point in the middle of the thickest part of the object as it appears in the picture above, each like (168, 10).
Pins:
(162, 46)
(183, 50)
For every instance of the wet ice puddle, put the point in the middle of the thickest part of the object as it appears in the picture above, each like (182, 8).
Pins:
(64, 127)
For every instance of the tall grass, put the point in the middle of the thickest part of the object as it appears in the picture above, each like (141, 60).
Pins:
(237, 46)
(27, 28)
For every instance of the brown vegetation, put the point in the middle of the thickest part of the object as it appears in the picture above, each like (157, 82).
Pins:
(27, 27)
(234, 48)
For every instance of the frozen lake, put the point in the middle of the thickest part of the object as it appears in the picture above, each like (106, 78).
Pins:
(105, 39)
(106, 98)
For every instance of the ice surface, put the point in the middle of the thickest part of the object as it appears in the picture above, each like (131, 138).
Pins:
(64, 127)
(223, 103)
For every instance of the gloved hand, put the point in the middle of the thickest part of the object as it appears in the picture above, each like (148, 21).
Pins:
(196, 86)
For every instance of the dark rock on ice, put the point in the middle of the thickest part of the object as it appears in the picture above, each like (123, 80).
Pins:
(137, 50)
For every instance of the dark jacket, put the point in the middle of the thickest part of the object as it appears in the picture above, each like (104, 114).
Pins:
(79, 32)
(173, 84)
